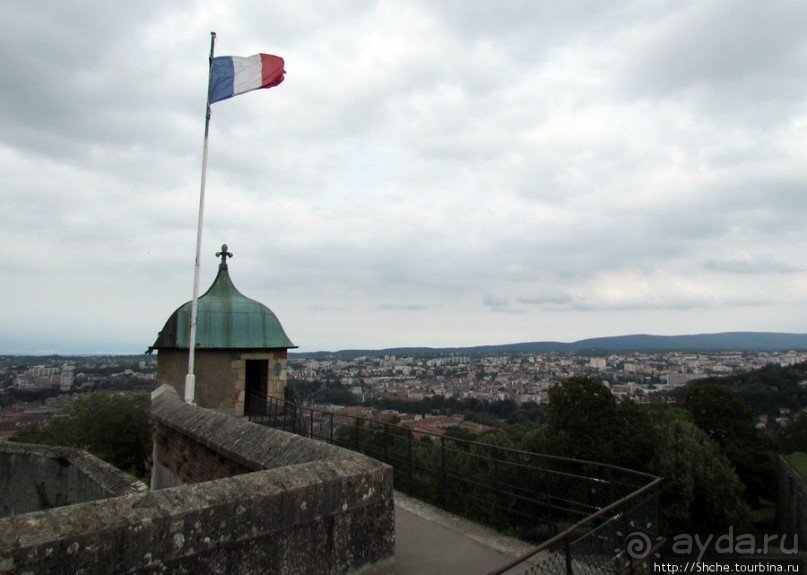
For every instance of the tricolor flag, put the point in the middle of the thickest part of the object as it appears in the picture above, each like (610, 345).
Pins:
(233, 75)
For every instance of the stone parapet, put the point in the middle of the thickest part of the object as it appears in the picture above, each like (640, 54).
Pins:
(40, 477)
(200, 444)
(291, 505)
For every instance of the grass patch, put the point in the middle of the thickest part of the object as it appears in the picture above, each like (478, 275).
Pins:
(798, 461)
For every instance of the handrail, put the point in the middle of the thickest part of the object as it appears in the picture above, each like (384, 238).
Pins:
(503, 486)
(548, 456)
(566, 534)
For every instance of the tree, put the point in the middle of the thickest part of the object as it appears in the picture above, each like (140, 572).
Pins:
(724, 416)
(459, 432)
(701, 492)
(636, 440)
(587, 422)
(767, 389)
(536, 440)
(114, 428)
(582, 419)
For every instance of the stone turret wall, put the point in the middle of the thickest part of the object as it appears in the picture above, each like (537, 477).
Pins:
(291, 506)
(215, 377)
(221, 375)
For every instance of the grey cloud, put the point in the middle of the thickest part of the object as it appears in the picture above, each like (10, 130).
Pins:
(406, 307)
(548, 300)
(736, 58)
(750, 266)
(451, 157)
(501, 305)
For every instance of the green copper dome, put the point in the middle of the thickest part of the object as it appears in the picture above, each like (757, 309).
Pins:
(225, 319)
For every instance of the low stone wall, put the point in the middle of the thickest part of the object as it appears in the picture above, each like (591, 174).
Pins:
(291, 506)
(195, 445)
(791, 512)
(39, 477)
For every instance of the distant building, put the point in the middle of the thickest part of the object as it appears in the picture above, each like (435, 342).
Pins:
(597, 363)
(241, 349)
(678, 379)
(66, 378)
(439, 426)
(348, 414)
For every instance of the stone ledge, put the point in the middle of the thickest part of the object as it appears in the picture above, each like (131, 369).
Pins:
(179, 526)
(252, 446)
(36, 477)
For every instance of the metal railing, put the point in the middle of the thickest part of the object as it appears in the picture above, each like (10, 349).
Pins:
(587, 517)
(621, 538)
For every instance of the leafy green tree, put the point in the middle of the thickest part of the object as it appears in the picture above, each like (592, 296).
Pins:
(495, 438)
(460, 432)
(503, 409)
(701, 489)
(304, 390)
(114, 428)
(767, 389)
(587, 422)
(336, 395)
(701, 492)
(537, 440)
(635, 440)
(726, 419)
(582, 419)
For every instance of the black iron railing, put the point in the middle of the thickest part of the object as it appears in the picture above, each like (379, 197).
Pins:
(587, 517)
(621, 538)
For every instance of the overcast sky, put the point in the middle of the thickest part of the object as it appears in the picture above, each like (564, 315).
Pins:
(439, 173)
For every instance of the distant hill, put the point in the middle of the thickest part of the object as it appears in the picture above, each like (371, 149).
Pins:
(728, 341)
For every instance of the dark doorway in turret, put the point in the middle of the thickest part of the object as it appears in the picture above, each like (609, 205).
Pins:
(256, 384)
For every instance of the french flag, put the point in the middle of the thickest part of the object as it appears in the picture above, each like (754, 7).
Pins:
(233, 75)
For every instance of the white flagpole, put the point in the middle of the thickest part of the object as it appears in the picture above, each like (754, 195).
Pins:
(190, 379)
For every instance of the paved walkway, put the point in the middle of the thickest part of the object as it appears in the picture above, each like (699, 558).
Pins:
(429, 541)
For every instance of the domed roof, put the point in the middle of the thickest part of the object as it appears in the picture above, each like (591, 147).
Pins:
(225, 319)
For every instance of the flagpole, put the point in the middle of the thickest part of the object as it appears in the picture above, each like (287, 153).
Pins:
(190, 379)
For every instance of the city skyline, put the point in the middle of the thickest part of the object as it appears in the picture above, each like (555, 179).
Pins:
(442, 175)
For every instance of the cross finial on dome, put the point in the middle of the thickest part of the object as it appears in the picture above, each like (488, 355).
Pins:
(224, 254)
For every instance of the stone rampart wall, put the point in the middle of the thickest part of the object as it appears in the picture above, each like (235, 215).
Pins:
(39, 477)
(292, 506)
(201, 445)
